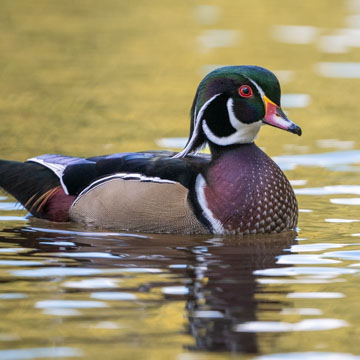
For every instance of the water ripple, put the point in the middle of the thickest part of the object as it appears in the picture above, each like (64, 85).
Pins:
(330, 190)
(13, 218)
(341, 221)
(93, 283)
(175, 290)
(294, 34)
(294, 271)
(102, 255)
(307, 280)
(207, 314)
(301, 311)
(20, 263)
(34, 353)
(72, 304)
(344, 255)
(14, 250)
(346, 201)
(347, 70)
(298, 182)
(9, 206)
(84, 233)
(68, 271)
(12, 296)
(61, 312)
(58, 243)
(304, 259)
(106, 325)
(55, 271)
(277, 326)
(327, 160)
(311, 355)
(315, 247)
(113, 295)
(315, 295)
(295, 100)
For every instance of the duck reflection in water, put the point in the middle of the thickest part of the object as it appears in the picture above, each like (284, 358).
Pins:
(218, 272)
(224, 289)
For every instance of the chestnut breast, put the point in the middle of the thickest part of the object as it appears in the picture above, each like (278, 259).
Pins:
(248, 193)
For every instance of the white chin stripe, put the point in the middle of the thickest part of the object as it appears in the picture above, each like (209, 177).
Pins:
(243, 133)
(216, 225)
(195, 133)
(259, 89)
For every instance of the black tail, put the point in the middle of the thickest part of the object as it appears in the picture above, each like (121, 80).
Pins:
(27, 182)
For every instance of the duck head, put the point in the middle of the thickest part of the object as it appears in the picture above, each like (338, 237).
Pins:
(230, 106)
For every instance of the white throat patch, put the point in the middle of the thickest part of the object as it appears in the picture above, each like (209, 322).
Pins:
(243, 133)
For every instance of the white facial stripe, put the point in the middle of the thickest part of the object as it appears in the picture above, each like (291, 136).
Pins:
(201, 112)
(243, 133)
(216, 225)
(279, 121)
(195, 133)
(259, 89)
(235, 122)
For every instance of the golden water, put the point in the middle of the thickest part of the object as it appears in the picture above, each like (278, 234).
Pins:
(88, 77)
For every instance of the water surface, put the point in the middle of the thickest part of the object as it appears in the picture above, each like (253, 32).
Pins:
(95, 78)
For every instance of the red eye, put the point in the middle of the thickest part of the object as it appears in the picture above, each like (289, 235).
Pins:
(245, 91)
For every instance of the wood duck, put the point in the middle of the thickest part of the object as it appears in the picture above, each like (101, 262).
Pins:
(237, 189)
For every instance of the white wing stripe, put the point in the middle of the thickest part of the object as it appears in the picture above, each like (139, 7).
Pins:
(58, 169)
(125, 176)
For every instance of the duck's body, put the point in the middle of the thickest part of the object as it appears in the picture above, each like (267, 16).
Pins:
(236, 189)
